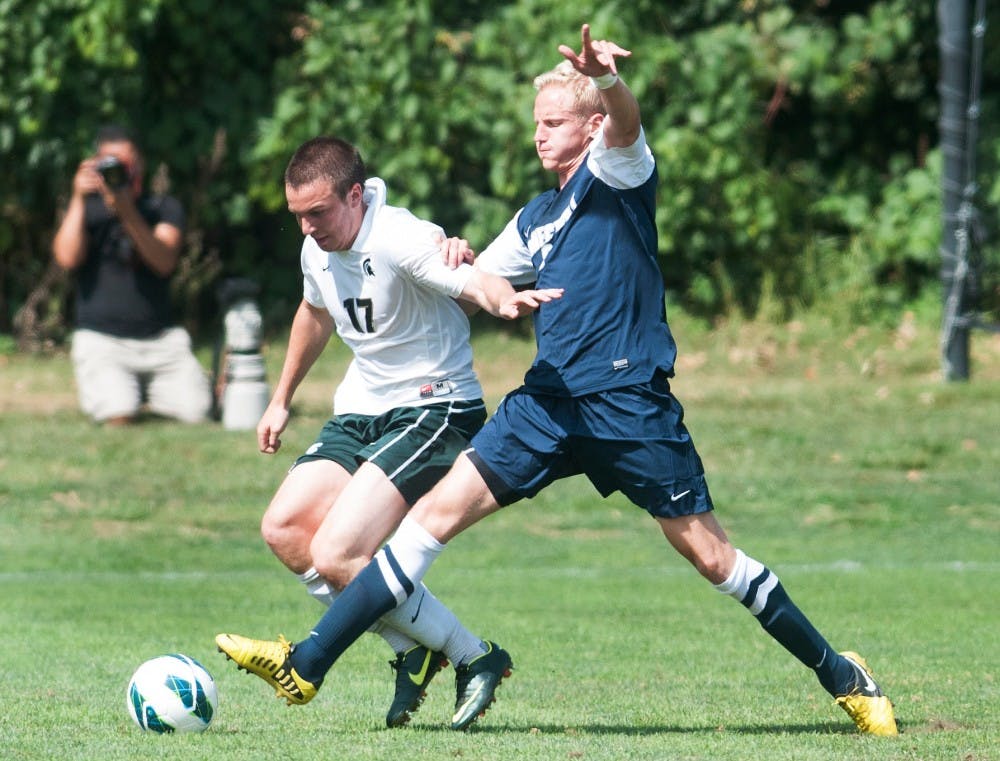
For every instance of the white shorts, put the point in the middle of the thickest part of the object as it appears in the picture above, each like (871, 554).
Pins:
(115, 376)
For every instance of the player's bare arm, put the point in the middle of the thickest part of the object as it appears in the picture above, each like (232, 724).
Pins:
(501, 300)
(498, 297)
(523, 303)
(311, 330)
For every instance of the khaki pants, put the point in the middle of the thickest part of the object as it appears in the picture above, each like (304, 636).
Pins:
(115, 376)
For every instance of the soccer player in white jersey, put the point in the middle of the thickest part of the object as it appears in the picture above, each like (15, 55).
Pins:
(408, 404)
(597, 399)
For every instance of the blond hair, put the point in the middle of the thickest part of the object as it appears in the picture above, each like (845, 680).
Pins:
(586, 97)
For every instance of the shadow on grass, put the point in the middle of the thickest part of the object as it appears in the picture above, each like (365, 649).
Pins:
(827, 728)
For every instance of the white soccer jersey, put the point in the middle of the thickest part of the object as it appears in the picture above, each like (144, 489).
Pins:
(392, 298)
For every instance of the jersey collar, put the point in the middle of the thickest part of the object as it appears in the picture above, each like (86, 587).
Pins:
(374, 195)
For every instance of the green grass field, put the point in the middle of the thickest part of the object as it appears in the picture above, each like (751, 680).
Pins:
(841, 461)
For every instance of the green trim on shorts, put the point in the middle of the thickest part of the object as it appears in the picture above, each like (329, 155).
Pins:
(413, 446)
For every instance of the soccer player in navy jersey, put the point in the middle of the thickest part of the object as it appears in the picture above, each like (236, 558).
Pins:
(597, 397)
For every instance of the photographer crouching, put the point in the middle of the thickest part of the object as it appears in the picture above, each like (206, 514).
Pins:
(123, 245)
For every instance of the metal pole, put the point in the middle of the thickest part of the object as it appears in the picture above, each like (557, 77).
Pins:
(953, 21)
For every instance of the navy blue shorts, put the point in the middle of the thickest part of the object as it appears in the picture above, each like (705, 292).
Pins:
(630, 439)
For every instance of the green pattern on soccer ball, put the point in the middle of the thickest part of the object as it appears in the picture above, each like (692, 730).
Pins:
(146, 714)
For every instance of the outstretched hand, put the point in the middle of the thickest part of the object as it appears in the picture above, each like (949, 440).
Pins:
(522, 303)
(596, 57)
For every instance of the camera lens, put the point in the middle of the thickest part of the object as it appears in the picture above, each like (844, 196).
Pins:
(113, 171)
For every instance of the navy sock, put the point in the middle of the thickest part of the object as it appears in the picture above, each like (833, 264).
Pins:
(760, 592)
(783, 620)
(362, 602)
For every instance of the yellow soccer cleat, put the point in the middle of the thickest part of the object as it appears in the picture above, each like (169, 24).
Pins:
(865, 704)
(269, 661)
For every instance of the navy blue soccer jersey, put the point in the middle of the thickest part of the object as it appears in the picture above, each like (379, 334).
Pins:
(596, 238)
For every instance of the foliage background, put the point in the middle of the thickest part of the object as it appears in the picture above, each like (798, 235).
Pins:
(797, 140)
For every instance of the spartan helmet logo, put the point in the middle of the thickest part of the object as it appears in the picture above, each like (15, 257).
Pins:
(366, 265)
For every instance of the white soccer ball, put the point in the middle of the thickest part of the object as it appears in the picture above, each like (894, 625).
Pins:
(172, 693)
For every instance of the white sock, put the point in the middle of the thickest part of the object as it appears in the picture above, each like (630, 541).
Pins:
(413, 548)
(318, 587)
(744, 572)
(325, 594)
(426, 619)
(397, 640)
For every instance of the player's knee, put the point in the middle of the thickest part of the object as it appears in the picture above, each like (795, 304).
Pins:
(282, 535)
(714, 564)
(338, 568)
(271, 530)
(336, 561)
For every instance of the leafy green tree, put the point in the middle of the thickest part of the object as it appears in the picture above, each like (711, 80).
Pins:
(796, 141)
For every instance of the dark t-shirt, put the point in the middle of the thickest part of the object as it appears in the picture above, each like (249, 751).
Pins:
(116, 292)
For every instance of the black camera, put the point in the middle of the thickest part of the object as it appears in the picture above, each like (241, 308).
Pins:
(113, 171)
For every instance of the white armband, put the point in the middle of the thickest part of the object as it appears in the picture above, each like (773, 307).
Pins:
(604, 81)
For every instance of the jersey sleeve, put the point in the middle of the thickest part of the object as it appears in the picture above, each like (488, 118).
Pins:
(422, 260)
(621, 168)
(508, 256)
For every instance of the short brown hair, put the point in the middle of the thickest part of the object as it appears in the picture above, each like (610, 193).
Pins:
(326, 158)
